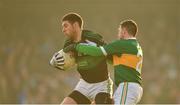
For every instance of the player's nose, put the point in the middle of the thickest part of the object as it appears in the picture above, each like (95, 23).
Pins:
(63, 30)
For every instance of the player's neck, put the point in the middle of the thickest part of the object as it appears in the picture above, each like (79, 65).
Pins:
(129, 37)
(78, 36)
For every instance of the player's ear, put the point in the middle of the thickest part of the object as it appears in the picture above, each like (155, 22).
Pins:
(124, 31)
(75, 24)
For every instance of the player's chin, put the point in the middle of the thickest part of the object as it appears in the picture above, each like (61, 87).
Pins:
(68, 35)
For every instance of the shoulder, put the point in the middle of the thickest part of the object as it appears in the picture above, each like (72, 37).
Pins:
(120, 43)
(123, 41)
(93, 36)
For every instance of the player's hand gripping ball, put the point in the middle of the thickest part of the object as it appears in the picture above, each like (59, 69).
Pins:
(62, 60)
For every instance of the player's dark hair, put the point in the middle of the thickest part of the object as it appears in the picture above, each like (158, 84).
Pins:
(130, 26)
(72, 18)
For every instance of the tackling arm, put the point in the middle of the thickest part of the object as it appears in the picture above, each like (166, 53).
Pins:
(89, 50)
(109, 49)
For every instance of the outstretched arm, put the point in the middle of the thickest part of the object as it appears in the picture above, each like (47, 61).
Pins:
(89, 50)
(109, 49)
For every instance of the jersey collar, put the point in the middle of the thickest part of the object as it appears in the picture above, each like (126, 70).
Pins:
(131, 38)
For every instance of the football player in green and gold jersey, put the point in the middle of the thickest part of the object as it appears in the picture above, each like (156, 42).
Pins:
(127, 57)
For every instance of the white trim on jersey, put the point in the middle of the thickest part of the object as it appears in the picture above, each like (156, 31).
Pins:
(91, 43)
(103, 50)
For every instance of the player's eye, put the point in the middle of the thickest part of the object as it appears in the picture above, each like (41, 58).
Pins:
(65, 25)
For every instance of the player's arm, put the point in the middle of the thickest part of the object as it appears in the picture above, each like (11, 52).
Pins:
(109, 49)
(67, 42)
(89, 50)
(105, 50)
(115, 47)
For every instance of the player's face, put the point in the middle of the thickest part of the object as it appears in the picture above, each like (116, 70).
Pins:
(68, 29)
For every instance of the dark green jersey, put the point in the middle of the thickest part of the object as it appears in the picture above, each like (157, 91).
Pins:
(127, 58)
(91, 69)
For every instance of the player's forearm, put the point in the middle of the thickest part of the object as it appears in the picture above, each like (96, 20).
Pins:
(89, 50)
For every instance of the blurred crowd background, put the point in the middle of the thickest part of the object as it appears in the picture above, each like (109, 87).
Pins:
(30, 33)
